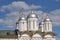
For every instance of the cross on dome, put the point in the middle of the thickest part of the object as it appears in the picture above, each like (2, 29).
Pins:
(47, 17)
(22, 15)
(32, 14)
(32, 8)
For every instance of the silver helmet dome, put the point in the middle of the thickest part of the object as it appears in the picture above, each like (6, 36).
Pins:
(32, 15)
(47, 18)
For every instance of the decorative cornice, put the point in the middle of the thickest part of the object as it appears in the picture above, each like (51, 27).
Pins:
(31, 33)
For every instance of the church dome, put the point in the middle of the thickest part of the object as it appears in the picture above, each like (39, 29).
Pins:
(32, 15)
(22, 18)
(47, 19)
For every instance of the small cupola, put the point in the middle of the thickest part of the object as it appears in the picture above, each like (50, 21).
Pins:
(22, 17)
(47, 19)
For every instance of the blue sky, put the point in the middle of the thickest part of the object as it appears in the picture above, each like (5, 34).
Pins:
(9, 7)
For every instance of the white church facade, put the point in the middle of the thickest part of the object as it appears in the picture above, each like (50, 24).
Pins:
(30, 28)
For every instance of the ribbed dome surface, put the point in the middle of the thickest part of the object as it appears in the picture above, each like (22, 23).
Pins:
(47, 19)
(32, 15)
(22, 18)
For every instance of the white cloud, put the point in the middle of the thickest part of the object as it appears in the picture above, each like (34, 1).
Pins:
(14, 12)
(1, 21)
(14, 8)
(35, 6)
(56, 0)
(17, 6)
(55, 16)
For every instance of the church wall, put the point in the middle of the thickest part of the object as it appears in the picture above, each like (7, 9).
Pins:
(34, 37)
(32, 24)
(22, 25)
(7, 39)
(48, 26)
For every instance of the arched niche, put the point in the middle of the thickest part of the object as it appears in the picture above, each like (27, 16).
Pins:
(25, 37)
(48, 37)
(36, 37)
